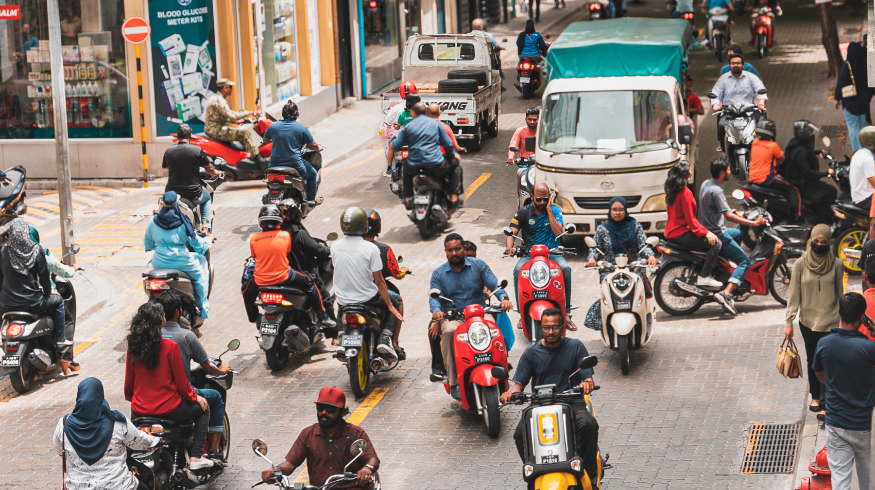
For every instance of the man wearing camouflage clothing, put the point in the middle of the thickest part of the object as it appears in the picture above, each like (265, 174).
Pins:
(219, 115)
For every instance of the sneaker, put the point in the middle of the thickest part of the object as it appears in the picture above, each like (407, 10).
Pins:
(385, 348)
(719, 149)
(214, 455)
(708, 282)
(437, 378)
(455, 393)
(199, 463)
(64, 343)
(726, 300)
(388, 172)
(327, 323)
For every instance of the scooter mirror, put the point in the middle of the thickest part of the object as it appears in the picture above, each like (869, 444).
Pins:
(652, 241)
(499, 373)
(234, 344)
(590, 242)
(826, 141)
(514, 148)
(358, 446)
(502, 282)
(738, 194)
(331, 237)
(588, 362)
(762, 91)
(260, 447)
(570, 228)
(507, 231)
(766, 204)
(400, 259)
(74, 249)
(434, 293)
(711, 95)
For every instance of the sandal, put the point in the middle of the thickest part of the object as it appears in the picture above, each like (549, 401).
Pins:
(815, 408)
(570, 325)
(821, 416)
(519, 324)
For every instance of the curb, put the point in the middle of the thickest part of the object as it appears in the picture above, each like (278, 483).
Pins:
(50, 184)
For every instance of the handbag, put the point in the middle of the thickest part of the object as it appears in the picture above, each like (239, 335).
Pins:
(850, 90)
(64, 456)
(788, 362)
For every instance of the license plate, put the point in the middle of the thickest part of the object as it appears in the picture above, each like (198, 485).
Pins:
(551, 458)
(276, 200)
(269, 329)
(624, 305)
(10, 361)
(351, 341)
(420, 199)
(525, 79)
(484, 357)
(541, 294)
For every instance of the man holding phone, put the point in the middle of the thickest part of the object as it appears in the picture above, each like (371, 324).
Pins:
(541, 224)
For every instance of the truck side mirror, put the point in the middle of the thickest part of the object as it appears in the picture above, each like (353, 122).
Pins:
(685, 133)
(530, 144)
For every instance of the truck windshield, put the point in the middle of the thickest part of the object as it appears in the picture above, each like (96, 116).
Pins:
(446, 51)
(606, 122)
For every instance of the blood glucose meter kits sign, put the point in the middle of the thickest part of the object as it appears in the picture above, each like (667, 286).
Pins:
(183, 42)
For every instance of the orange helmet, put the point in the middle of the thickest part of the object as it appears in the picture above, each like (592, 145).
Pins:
(407, 88)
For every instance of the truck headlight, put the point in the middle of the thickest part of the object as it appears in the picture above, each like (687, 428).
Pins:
(653, 203)
(539, 274)
(564, 205)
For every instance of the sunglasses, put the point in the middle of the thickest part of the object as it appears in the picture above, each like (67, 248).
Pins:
(542, 199)
(548, 328)
(330, 409)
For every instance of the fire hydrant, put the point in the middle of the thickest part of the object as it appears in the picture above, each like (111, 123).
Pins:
(820, 474)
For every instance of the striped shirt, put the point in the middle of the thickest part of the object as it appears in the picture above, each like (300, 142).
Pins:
(535, 227)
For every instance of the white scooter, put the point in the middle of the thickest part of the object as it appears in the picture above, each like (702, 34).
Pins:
(627, 313)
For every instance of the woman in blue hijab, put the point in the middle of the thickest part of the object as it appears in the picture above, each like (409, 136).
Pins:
(92, 442)
(169, 234)
(621, 234)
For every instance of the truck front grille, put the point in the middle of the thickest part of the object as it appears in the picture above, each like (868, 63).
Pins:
(604, 202)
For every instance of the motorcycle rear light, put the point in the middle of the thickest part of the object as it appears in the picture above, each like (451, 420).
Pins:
(270, 317)
(404, 154)
(276, 178)
(462, 120)
(354, 318)
(746, 193)
(11, 348)
(372, 4)
(525, 65)
(156, 284)
(688, 16)
(272, 298)
(595, 6)
(778, 246)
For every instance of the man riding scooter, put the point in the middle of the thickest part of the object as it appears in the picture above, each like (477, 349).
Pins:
(307, 254)
(288, 137)
(737, 87)
(554, 360)
(390, 269)
(183, 162)
(518, 139)
(802, 168)
(765, 159)
(218, 116)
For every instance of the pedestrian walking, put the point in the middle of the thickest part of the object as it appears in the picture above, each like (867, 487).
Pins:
(815, 288)
(852, 92)
(843, 361)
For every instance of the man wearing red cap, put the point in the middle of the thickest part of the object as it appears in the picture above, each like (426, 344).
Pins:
(326, 446)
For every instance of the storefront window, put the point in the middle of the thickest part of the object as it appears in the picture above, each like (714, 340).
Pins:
(95, 71)
(280, 51)
(382, 55)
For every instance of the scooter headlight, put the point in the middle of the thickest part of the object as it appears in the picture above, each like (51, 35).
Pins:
(478, 336)
(539, 274)
(622, 283)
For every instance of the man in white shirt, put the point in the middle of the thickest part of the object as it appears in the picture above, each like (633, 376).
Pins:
(358, 275)
(862, 174)
(479, 25)
(737, 87)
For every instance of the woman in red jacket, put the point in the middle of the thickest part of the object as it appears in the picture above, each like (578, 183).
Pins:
(683, 228)
(155, 381)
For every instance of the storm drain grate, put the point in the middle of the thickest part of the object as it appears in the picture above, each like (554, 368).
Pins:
(771, 448)
(833, 130)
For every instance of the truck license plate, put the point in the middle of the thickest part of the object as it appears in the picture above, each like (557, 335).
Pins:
(420, 199)
(525, 79)
(484, 357)
(10, 361)
(540, 294)
(551, 458)
(270, 329)
(351, 341)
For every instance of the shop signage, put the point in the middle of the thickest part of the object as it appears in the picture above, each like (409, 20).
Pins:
(10, 12)
(135, 30)
(184, 59)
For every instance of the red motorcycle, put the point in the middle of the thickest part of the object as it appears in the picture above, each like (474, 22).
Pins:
(232, 158)
(541, 285)
(762, 28)
(481, 360)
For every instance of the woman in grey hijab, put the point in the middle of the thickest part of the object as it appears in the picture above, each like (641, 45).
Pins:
(25, 284)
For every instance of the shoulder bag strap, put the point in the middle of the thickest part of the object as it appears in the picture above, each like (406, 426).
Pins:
(64, 455)
(851, 71)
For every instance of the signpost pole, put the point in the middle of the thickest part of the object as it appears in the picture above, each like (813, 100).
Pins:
(59, 105)
(142, 118)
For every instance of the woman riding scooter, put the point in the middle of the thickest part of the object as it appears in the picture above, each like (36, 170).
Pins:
(530, 44)
(620, 234)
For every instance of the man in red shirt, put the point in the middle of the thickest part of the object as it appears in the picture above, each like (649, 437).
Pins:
(528, 131)
(694, 103)
(326, 446)
(271, 248)
(434, 111)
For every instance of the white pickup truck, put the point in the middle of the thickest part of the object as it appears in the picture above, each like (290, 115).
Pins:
(460, 73)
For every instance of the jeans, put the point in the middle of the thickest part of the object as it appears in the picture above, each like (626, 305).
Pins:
(566, 275)
(217, 409)
(308, 173)
(206, 204)
(855, 124)
(731, 249)
(844, 448)
(612, 10)
(586, 431)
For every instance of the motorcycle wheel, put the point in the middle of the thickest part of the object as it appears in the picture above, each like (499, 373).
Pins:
(742, 168)
(359, 370)
(625, 361)
(226, 439)
(22, 379)
(163, 471)
(528, 91)
(476, 143)
(426, 228)
(491, 415)
(718, 47)
(748, 237)
(851, 237)
(665, 291)
(277, 356)
(779, 280)
(761, 45)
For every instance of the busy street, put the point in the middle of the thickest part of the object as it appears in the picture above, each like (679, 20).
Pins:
(681, 418)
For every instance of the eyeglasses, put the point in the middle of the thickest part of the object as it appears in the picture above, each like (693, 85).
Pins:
(548, 328)
(542, 199)
(331, 409)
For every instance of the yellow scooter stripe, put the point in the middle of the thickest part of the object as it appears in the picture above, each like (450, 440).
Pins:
(555, 481)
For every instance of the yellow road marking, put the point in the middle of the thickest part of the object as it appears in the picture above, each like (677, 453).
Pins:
(476, 184)
(104, 189)
(356, 417)
(45, 205)
(41, 214)
(93, 194)
(103, 240)
(78, 197)
(121, 226)
(32, 220)
(115, 233)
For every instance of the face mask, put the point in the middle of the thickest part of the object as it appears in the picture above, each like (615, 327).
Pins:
(819, 249)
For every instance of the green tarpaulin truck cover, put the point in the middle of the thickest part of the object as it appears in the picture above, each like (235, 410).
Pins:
(623, 47)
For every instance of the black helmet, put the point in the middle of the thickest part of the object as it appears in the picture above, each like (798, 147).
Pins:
(374, 222)
(766, 127)
(354, 222)
(269, 216)
(804, 129)
(291, 210)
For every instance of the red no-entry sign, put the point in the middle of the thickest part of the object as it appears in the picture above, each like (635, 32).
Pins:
(135, 30)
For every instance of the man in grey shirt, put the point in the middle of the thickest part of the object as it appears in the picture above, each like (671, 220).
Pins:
(737, 87)
(713, 208)
(191, 349)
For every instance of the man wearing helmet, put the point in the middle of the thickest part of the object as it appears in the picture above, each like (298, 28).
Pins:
(358, 275)
(271, 249)
(183, 162)
(765, 158)
(528, 131)
(288, 137)
(391, 268)
(862, 174)
(802, 169)
(307, 254)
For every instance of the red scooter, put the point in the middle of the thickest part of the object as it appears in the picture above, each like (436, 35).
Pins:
(761, 25)
(541, 285)
(481, 360)
(235, 161)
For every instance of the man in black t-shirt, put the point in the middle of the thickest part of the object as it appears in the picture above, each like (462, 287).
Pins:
(183, 162)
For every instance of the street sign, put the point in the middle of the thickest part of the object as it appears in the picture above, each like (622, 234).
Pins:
(10, 12)
(135, 30)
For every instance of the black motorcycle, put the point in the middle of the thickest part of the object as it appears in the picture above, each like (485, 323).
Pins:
(529, 75)
(286, 183)
(739, 125)
(165, 467)
(358, 346)
(29, 341)
(158, 280)
(525, 173)
(431, 206)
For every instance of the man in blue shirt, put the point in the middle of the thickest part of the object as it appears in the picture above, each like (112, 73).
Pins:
(424, 138)
(737, 87)
(844, 361)
(462, 280)
(288, 137)
(540, 223)
(736, 49)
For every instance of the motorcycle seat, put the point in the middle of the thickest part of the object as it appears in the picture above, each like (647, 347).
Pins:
(166, 423)
(281, 289)
(768, 192)
(13, 314)
(849, 206)
(7, 191)
(290, 171)
(167, 274)
(359, 308)
(233, 144)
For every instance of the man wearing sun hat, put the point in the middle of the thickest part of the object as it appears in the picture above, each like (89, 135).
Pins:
(218, 115)
(326, 446)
